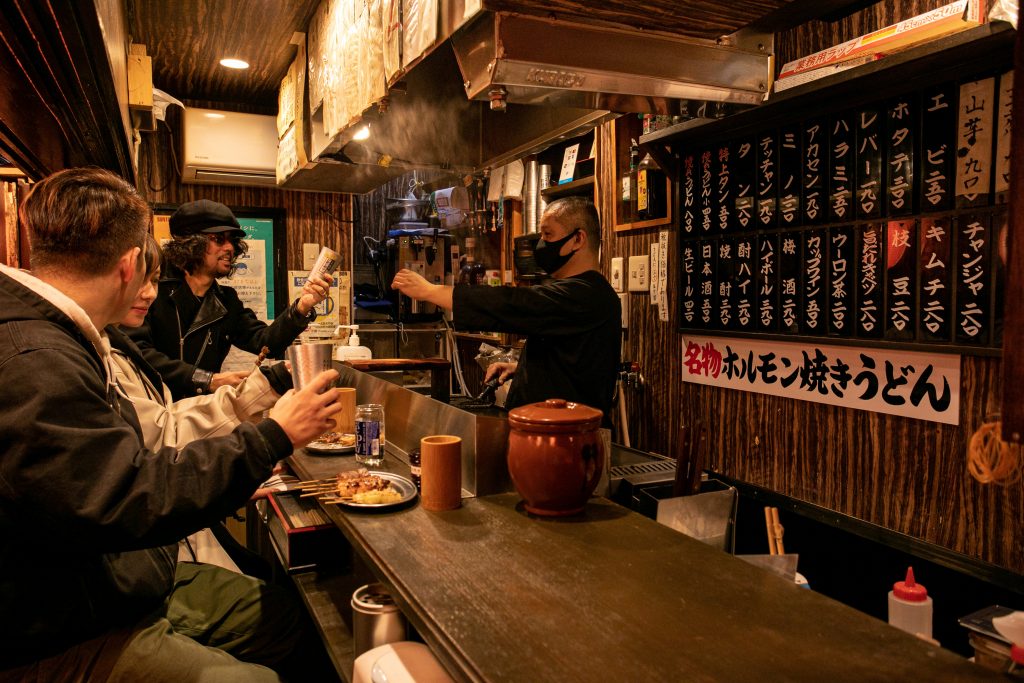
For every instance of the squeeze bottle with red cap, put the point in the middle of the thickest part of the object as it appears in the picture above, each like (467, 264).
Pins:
(910, 608)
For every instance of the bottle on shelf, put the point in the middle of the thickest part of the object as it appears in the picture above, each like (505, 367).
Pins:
(651, 197)
(629, 184)
(472, 270)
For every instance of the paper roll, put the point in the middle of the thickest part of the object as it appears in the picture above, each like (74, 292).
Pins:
(441, 472)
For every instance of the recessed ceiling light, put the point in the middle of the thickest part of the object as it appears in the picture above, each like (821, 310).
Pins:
(363, 133)
(234, 63)
(213, 115)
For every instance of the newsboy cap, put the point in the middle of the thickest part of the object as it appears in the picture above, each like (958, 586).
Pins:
(204, 216)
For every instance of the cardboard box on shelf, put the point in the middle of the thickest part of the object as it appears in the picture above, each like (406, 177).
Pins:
(951, 18)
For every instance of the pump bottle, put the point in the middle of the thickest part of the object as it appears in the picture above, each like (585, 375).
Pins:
(910, 608)
(351, 351)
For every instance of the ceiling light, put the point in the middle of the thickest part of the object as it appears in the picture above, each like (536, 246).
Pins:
(213, 115)
(234, 63)
(363, 133)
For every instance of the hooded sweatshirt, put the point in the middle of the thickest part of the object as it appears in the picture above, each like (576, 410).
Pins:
(88, 515)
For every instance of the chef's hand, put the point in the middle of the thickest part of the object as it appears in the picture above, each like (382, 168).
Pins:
(227, 379)
(415, 286)
(306, 414)
(500, 370)
(313, 292)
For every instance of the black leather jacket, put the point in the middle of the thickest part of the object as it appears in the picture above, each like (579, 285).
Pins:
(186, 358)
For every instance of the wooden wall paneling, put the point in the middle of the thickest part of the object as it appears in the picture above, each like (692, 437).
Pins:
(1013, 330)
(318, 217)
(905, 475)
(653, 410)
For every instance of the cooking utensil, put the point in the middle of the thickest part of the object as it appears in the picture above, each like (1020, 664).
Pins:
(689, 462)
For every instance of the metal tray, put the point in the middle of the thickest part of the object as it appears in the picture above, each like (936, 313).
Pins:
(401, 484)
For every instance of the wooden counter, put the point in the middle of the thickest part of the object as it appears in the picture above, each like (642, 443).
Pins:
(500, 595)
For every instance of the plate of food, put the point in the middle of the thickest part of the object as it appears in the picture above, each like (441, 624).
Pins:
(333, 443)
(370, 490)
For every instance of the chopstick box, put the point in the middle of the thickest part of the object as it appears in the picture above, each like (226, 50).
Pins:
(301, 533)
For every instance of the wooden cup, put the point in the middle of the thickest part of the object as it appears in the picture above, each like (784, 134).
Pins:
(441, 472)
(346, 417)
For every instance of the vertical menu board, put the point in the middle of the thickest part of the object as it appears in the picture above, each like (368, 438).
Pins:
(876, 221)
(869, 164)
(840, 280)
(767, 183)
(899, 158)
(767, 283)
(870, 280)
(790, 176)
(815, 282)
(974, 250)
(936, 270)
(688, 196)
(744, 164)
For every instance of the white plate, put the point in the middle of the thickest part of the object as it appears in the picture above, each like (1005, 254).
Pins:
(398, 482)
(329, 448)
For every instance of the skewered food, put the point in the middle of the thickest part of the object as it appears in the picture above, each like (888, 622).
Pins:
(337, 438)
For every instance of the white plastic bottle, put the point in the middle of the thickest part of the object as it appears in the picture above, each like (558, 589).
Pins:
(910, 608)
(351, 351)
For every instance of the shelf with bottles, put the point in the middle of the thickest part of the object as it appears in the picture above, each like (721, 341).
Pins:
(582, 181)
(643, 190)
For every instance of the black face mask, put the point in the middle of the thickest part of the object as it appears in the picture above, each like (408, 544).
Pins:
(547, 256)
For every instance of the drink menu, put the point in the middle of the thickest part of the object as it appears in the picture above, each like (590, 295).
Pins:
(877, 222)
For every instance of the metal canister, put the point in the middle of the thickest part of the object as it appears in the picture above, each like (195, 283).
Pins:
(414, 467)
(326, 262)
(370, 434)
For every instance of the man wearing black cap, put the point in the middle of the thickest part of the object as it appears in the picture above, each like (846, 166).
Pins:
(195, 321)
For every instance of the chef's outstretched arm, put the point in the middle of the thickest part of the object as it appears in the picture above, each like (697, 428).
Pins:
(415, 286)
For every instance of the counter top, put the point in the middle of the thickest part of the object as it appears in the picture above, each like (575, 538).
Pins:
(501, 595)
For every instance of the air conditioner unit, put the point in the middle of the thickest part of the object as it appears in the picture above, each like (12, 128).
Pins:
(228, 148)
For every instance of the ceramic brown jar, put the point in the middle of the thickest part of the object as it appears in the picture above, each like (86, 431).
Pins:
(555, 455)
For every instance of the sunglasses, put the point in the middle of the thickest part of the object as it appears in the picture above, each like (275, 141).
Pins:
(220, 237)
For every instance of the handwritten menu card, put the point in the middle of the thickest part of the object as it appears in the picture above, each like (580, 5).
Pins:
(878, 222)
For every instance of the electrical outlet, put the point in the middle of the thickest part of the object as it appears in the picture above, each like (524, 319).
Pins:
(310, 251)
(624, 305)
(616, 279)
(639, 273)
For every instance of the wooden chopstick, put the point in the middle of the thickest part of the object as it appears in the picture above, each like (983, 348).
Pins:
(778, 532)
(772, 550)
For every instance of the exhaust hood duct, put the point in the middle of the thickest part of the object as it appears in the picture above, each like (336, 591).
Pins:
(531, 60)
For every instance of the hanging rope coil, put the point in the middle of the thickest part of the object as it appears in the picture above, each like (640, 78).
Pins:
(991, 460)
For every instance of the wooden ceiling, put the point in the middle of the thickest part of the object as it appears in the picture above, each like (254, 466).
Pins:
(187, 38)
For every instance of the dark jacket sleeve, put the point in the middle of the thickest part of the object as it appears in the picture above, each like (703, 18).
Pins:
(183, 379)
(74, 468)
(559, 307)
(251, 334)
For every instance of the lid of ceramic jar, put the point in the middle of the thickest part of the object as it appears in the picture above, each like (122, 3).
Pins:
(555, 412)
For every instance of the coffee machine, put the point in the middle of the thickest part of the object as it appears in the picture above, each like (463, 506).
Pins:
(423, 250)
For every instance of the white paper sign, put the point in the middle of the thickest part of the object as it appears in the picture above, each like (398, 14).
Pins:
(655, 277)
(568, 163)
(663, 265)
(925, 386)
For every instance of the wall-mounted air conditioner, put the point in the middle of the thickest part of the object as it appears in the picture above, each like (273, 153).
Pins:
(228, 148)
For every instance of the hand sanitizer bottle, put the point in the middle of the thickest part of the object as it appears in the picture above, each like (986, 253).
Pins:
(351, 351)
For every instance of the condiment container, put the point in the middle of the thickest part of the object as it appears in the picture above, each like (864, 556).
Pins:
(555, 455)
(376, 619)
(910, 608)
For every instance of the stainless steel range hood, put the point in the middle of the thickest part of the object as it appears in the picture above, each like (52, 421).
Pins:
(533, 60)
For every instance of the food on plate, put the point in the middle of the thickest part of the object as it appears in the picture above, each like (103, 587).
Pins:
(360, 486)
(337, 438)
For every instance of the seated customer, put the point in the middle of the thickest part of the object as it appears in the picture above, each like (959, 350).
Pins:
(89, 516)
(166, 422)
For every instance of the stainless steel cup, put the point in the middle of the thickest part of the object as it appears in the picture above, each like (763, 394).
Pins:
(308, 361)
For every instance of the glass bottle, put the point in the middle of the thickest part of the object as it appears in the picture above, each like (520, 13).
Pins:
(370, 434)
(651, 199)
(472, 270)
(629, 184)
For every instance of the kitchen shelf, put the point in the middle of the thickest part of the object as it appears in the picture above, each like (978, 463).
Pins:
(582, 186)
(961, 55)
